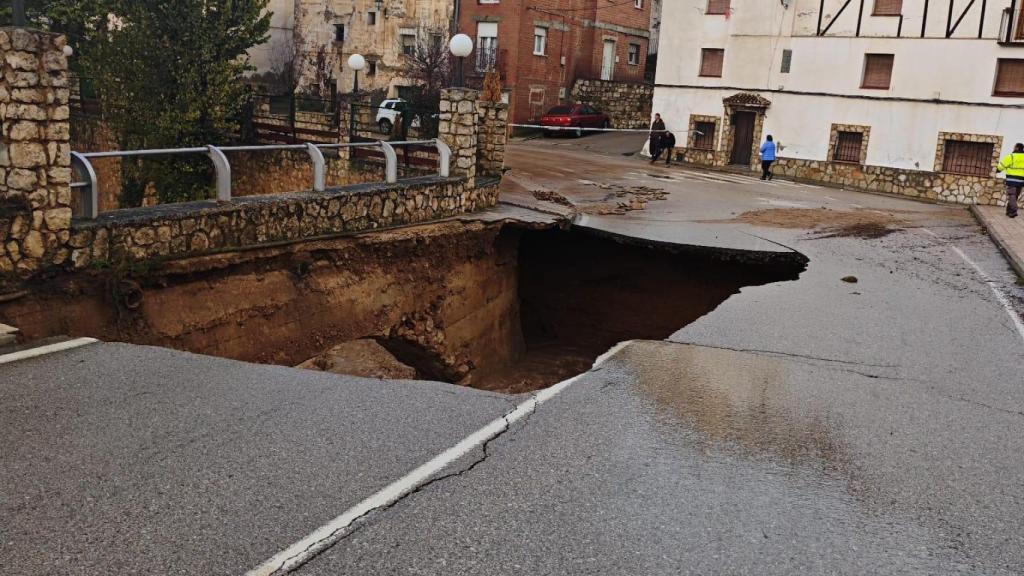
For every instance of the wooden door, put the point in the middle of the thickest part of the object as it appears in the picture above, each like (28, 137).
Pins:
(743, 138)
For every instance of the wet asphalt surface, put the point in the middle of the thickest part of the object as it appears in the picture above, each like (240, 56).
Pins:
(811, 427)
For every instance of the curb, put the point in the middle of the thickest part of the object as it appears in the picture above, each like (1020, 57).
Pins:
(1016, 260)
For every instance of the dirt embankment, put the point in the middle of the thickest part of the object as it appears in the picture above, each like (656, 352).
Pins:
(493, 306)
(448, 291)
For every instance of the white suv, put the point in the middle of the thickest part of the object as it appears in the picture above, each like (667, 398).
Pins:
(387, 112)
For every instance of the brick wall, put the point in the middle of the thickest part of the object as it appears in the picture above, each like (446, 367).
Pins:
(575, 45)
(35, 161)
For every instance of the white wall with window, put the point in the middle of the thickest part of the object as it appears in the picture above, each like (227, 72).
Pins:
(906, 88)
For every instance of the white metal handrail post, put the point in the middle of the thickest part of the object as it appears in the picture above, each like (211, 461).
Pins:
(319, 167)
(444, 158)
(90, 191)
(222, 169)
(391, 159)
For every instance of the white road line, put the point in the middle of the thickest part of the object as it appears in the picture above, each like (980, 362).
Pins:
(324, 537)
(44, 350)
(1017, 322)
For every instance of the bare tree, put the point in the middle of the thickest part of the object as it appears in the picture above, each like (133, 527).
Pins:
(430, 64)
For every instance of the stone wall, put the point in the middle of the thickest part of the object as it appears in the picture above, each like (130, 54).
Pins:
(195, 228)
(956, 188)
(628, 105)
(492, 137)
(35, 154)
(458, 129)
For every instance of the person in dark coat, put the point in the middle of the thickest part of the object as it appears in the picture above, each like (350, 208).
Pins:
(657, 130)
(668, 144)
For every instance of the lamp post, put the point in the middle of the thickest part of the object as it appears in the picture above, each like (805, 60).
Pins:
(460, 45)
(356, 62)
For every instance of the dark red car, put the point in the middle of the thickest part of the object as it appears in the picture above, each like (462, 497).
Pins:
(575, 116)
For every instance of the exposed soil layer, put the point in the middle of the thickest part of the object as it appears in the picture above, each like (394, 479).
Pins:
(581, 293)
(832, 223)
(495, 306)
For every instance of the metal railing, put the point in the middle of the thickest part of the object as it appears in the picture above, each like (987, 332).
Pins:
(86, 179)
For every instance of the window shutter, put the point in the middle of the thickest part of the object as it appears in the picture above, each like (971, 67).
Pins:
(787, 61)
(718, 6)
(1010, 77)
(877, 71)
(888, 8)
(711, 62)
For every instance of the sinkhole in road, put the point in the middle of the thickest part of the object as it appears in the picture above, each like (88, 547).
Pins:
(504, 306)
(545, 304)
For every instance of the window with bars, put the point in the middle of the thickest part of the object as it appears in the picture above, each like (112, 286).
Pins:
(718, 6)
(968, 158)
(704, 138)
(711, 60)
(1009, 77)
(877, 71)
(888, 8)
(848, 147)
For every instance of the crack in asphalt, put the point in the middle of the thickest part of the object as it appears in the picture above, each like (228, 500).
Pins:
(788, 354)
(359, 522)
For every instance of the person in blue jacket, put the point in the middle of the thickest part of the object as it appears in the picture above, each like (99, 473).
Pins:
(767, 158)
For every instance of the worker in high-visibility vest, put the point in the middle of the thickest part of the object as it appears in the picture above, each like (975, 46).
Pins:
(1013, 165)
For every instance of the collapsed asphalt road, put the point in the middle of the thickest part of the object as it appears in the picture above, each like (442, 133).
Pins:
(814, 426)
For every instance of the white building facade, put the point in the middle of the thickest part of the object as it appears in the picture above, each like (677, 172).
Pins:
(912, 97)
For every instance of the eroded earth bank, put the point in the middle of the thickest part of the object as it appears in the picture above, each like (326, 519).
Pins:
(501, 306)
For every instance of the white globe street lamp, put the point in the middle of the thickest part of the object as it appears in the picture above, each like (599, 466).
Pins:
(461, 45)
(356, 62)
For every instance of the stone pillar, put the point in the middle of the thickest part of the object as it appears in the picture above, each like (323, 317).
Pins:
(35, 151)
(458, 129)
(492, 118)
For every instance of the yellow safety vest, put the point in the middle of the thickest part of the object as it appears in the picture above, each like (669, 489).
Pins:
(1013, 165)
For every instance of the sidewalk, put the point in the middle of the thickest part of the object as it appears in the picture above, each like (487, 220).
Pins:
(1007, 233)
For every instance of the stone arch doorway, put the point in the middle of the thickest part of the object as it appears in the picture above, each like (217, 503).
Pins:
(745, 112)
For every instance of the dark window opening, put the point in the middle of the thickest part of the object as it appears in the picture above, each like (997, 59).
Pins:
(967, 158)
(704, 138)
(718, 6)
(1009, 77)
(848, 147)
(711, 62)
(787, 61)
(339, 32)
(877, 71)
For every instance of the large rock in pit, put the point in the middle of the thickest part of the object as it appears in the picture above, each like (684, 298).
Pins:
(364, 358)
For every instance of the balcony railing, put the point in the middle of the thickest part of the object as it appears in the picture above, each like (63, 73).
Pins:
(486, 58)
(1011, 29)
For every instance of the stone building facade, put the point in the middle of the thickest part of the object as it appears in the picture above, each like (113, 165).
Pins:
(327, 32)
(894, 98)
(35, 154)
